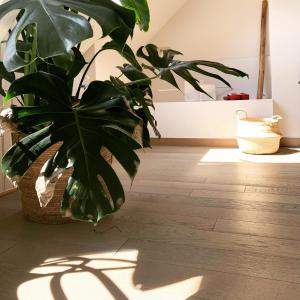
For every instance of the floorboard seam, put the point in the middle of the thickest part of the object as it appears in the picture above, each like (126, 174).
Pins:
(214, 227)
(7, 249)
(241, 220)
(122, 245)
(273, 256)
(218, 271)
(257, 235)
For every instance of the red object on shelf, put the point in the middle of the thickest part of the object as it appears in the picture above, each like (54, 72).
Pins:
(241, 96)
(245, 96)
(235, 97)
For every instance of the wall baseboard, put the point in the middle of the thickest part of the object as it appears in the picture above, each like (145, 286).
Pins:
(194, 142)
(226, 143)
(290, 142)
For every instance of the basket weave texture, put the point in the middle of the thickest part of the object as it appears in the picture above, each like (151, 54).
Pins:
(30, 204)
(258, 135)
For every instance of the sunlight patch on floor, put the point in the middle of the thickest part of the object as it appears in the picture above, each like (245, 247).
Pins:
(99, 275)
(228, 155)
(33, 289)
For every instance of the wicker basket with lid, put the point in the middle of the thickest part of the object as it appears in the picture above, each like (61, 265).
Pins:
(258, 135)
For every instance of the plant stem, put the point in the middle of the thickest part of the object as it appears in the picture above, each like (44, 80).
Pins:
(30, 58)
(85, 72)
(20, 102)
(33, 51)
(26, 72)
(90, 64)
(142, 80)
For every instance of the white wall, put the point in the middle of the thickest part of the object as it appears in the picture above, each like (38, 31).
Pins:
(285, 53)
(206, 119)
(227, 31)
(5, 142)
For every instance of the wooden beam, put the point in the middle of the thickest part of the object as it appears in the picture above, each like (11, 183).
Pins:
(262, 55)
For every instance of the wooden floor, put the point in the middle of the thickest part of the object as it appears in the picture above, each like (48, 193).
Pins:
(198, 224)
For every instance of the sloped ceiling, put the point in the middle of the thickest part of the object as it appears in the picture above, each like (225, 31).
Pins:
(161, 12)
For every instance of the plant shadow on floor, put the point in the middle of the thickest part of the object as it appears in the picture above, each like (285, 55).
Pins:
(84, 265)
(77, 265)
(62, 262)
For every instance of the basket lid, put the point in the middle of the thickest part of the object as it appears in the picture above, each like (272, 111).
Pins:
(259, 135)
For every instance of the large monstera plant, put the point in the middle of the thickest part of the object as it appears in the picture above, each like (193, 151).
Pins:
(44, 45)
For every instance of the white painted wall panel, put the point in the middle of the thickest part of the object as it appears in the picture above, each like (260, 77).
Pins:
(206, 119)
(285, 64)
(227, 31)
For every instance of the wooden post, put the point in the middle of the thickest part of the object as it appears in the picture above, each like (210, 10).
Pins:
(262, 55)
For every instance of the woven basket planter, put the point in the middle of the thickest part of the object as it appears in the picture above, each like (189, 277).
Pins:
(30, 203)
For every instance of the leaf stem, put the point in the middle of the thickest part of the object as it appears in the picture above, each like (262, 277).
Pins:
(86, 71)
(142, 80)
(20, 102)
(30, 58)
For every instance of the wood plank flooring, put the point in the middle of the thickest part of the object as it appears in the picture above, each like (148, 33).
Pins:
(191, 228)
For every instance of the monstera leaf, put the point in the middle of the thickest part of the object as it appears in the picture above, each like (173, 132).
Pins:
(93, 190)
(66, 66)
(133, 74)
(10, 77)
(166, 65)
(125, 51)
(141, 10)
(59, 27)
(140, 91)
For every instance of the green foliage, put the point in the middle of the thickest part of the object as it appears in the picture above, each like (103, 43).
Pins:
(141, 10)
(101, 118)
(166, 65)
(125, 51)
(4, 74)
(53, 17)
